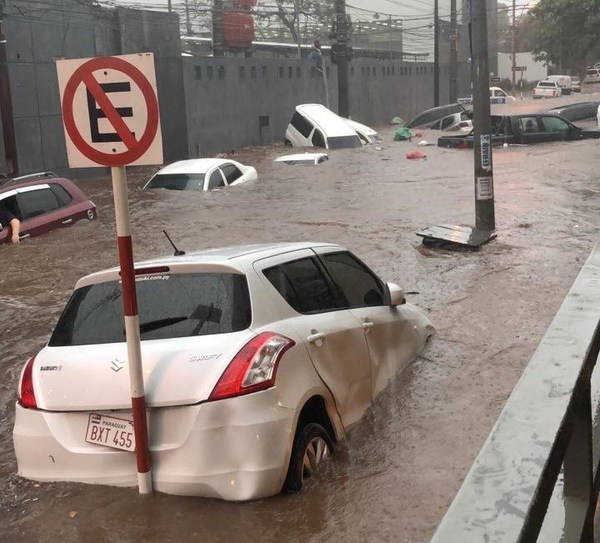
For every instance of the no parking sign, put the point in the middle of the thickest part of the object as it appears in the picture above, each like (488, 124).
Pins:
(110, 111)
(111, 118)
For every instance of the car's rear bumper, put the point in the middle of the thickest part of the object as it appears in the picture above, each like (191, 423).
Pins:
(234, 449)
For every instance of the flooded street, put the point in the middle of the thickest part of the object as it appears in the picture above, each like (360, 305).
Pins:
(400, 467)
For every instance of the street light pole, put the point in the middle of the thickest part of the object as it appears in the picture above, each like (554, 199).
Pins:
(436, 53)
(341, 55)
(453, 53)
(482, 126)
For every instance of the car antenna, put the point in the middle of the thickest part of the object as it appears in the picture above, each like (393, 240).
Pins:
(177, 251)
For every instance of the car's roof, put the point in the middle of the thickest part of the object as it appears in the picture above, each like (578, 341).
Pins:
(329, 122)
(194, 165)
(42, 178)
(232, 256)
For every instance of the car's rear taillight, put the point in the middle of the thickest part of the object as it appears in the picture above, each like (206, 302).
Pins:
(26, 393)
(253, 367)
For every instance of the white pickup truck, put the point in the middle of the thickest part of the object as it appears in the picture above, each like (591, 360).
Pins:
(546, 89)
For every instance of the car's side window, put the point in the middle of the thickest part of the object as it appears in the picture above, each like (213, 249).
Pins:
(301, 124)
(318, 140)
(231, 172)
(303, 285)
(10, 204)
(358, 284)
(63, 197)
(528, 124)
(37, 202)
(215, 180)
(554, 124)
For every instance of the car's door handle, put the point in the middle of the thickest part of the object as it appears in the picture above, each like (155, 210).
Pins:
(315, 337)
(66, 221)
(367, 325)
(23, 236)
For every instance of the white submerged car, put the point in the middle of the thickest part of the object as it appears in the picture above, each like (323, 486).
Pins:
(201, 174)
(256, 360)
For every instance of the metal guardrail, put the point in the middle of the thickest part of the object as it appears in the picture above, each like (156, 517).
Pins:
(536, 476)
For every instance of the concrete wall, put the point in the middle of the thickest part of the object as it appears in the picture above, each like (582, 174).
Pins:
(208, 105)
(37, 35)
(233, 102)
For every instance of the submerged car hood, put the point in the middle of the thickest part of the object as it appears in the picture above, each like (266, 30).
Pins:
(176, 372)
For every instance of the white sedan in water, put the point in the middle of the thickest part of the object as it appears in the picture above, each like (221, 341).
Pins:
(201, 174)
(256, 360)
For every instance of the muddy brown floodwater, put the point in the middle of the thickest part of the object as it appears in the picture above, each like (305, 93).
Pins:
(400, 467)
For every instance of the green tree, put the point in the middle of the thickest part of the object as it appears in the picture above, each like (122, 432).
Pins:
(564, 32)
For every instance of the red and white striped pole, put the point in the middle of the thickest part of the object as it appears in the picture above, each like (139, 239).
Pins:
(132, 329)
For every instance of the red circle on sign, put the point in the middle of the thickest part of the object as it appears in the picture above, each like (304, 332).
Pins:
(140, 146)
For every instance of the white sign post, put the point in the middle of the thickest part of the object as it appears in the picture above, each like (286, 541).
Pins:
(111, 118)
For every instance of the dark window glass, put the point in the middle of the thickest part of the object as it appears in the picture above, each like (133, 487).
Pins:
(63, 197)
(10, 204)
(302, 285)
(221, 72)
(179, 305)
(177, 181)
(448, 121)
(318, 140)
(343, 142)
(216, 180)
(37, 202)
(301, 124)
(242, 72)
(358, 284)
(231, 172)
(528, 124)
(198, 72)
(554, 124)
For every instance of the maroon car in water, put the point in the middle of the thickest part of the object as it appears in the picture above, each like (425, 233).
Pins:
(43, 202)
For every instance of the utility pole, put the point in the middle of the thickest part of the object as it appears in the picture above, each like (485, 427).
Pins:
(340, 50)
(513, 36)
(453, 53)
(436, 53)
(6, 113)
(297, 25)
(188, 24)
(217, 29)
(485, 222)
(482, 127)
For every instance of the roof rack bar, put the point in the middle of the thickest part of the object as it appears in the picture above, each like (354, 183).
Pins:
(32, 176)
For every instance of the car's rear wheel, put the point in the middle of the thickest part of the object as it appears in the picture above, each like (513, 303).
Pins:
(312, 447)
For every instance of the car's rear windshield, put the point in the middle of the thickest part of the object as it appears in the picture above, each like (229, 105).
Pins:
(177, 181)
(170, 306)
(343, 142)
(546, 84)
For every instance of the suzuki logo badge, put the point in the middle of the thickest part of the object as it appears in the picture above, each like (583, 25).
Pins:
(116, 365)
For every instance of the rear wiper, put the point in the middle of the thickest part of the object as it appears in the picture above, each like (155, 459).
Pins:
(160, 323)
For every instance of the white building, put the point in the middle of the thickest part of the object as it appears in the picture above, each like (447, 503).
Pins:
(534, 71)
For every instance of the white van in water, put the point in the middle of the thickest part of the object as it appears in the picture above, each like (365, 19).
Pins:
(313, 125)
(563, 82)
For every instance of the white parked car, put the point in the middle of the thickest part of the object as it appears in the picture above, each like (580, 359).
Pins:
(256, 360)
(201, 174)
(303, 158)
(366, 134)
(313, 125)
(546, 89)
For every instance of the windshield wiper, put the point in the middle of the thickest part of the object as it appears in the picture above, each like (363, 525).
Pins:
(160, 323)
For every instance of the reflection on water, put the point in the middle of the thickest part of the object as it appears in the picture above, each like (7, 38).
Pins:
(402, 464)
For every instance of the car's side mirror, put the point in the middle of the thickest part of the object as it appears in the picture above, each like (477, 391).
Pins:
(396, 295)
